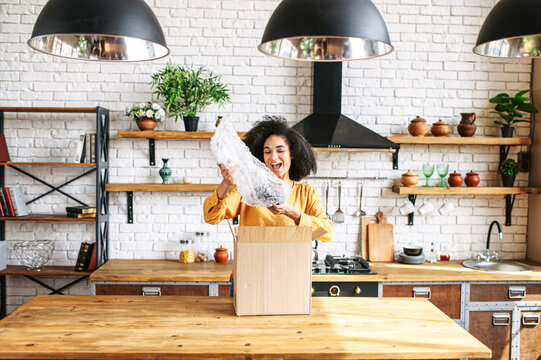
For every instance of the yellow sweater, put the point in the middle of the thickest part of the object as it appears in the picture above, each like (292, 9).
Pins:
(303, 197)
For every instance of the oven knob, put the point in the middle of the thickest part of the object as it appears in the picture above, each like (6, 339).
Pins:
(357, 290)
(334, 291)
(313, 291)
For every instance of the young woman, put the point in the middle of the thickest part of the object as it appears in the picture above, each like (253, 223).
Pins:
(290, 157)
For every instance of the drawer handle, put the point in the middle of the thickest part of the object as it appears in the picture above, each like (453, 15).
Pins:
(422, 292)
(151, 291)
(501, 319)
(530, 319)
(517, 292)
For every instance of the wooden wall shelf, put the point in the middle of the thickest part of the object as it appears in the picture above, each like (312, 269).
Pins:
(463, 190)
(510, 194)
(455, 140)
(43, 217)
(169, 134)
(46, 164)
(160, 187)
(52, 270)
(50, 109)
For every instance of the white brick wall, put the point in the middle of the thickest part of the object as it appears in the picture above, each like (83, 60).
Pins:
(432, 73)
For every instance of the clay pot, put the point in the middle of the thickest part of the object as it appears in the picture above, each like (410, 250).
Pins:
(409, 179)
(472, 179)
(221, 255)
(440, 128)
(146, 124)
(467, 126)
(455, 179)
(418, 127)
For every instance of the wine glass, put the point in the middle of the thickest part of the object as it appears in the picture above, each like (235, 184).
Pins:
(428, 170)
(443, 169)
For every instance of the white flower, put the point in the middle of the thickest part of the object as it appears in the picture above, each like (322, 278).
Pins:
(158, 116)
(161, 112)
(140, 113)
(149, 113)
(155, 106)
(142, 105)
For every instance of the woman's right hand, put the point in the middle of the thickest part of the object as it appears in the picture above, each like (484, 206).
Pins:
(227, 181)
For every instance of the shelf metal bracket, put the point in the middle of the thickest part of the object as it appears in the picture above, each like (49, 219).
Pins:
(395, 159)
(151, 151)
(504, 152)
(509, 203)
(130, 206)
(412, 198)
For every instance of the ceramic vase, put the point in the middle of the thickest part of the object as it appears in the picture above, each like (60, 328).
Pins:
(165, 172)
(455, 179)
(409, 179)
(467, 126)
(508, 180)
(418, 127)
(440, 128)
(146, 124)
(472, 179)
(221, 255)
(190, 123)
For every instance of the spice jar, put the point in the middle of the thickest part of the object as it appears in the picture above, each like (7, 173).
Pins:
(472, 179)
(201, 248)
(186, 255)
(418, 127)
(455, 179)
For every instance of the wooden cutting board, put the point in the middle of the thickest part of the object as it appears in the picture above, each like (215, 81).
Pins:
(363, 234)
(380, 240)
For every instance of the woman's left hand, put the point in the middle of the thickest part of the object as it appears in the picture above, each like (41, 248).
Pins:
(287, 210)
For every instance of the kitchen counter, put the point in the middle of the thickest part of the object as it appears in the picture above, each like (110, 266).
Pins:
(170, 270)
(138, 327)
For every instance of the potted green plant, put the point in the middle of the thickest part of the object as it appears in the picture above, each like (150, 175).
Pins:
(508, 169)
(511, 110)
(146, 115)
(187, 91)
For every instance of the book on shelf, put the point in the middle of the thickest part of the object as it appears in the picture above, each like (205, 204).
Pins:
(80, 216)
(4, 204)
(91, 147)
(9, 203)
(83, 258)
(4, 152)
(18, 201)
(80, 151)
(92, 261)
(81, 209)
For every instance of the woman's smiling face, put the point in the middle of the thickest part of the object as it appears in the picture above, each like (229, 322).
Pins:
(277, 156)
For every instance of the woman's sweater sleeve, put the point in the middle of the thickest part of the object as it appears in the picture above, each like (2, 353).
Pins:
(315, 216)
(216, 210)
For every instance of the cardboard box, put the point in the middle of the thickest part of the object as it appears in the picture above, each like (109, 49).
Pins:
(273, 270)
(3, 254)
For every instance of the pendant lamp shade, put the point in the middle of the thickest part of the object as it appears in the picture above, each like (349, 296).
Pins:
(100, 30)
(512, 29)
(326, 30)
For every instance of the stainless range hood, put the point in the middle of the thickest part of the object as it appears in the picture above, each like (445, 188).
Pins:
(327, 127)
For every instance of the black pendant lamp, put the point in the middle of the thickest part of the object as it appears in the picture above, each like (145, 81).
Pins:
(512, 29)
(326, 30)
(100, 30)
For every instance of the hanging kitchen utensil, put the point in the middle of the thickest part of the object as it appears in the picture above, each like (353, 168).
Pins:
(360, 211)
(380, 240)
(338, 216)
(327, 201)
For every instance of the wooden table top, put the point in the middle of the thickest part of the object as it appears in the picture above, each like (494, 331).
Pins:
(171, 270)
(170, 327)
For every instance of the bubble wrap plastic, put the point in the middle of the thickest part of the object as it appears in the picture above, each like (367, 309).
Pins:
(257, 185)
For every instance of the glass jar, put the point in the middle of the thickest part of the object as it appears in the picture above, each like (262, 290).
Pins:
(201, 246)
(186, 255)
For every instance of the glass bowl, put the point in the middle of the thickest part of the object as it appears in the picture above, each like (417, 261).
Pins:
(34, 254)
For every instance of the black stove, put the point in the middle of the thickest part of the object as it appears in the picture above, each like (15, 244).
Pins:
(355, 265)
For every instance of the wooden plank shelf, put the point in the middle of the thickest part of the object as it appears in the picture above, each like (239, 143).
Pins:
(169, 134)
(462, 190)
(50, 109)
(160, 187)
(46, 164)
(52, 270)
(43, 217)
(455, 140)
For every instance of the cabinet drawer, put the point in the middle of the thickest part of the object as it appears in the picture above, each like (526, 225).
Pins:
(445, 297)
(150, 289)
(493, 328)
(504, 292)
(530, 333)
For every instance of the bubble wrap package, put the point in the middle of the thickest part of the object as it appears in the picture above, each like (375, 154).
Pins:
(257, 185)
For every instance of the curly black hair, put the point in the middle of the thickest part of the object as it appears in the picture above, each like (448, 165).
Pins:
(303, 160)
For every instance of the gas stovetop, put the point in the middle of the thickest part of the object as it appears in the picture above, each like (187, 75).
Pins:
(355, 265)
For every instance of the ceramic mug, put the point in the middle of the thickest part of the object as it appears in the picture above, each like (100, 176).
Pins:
(407, 208)
(426, 208)
(447, 207)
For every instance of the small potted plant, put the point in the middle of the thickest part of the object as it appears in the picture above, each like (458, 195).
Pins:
(146, 115)
(187, 91)
(508, 170)
(511, 110)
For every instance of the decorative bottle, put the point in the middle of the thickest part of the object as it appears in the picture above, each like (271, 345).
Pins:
(165, 172)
